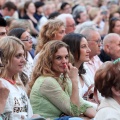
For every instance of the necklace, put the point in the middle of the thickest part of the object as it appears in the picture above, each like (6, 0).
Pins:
(11, 81)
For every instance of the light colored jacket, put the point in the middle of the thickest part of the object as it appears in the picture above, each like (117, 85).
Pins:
(109, 109)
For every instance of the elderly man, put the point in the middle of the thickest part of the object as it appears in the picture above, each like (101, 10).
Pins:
(68, 21)
(111, 47)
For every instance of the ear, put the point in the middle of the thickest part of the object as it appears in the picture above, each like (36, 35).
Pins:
(107, 49)
(115, 92)
(78, 20)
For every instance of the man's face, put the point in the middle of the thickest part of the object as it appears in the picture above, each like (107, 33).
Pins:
(94, 43)
(67, 9)
(2, 32)
(70, 25)
(114, 48)
(11, 12)
(83, 17)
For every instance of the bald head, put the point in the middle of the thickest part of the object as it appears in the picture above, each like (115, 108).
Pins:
(111, 45)
(110, 38)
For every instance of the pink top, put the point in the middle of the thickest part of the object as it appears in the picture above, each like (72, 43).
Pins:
(93, 65)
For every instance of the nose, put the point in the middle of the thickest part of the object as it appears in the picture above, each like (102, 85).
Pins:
(64, 60)
(30, 40)
(88, 50)
(100, 43)
(23, 60)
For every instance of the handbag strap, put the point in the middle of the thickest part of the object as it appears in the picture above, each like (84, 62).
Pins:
(96, 96)
(89, 90)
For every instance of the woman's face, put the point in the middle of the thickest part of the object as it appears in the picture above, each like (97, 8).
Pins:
(67, 9)
(27, 40)
(17, 62)
(84, 51)
(60, 33)
(116, 28)
(61, 58)
(31, 8)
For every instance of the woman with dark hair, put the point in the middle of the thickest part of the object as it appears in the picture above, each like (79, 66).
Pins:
(30, 9)
(26, 38)
(80, 51)
(114, 25)
(107, 82)
(66, 8)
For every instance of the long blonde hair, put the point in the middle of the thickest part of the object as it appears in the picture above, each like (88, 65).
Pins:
(9, 46)
(48, 32)
(44, 64)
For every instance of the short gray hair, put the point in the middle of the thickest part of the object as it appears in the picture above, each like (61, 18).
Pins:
(63, 17)
(85, 25)
(78, 10)
(87, 32)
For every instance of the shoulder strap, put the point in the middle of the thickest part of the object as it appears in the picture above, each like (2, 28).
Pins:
(89, 90)
(96, 96)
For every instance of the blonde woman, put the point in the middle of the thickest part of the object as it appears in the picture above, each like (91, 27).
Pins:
(17, 104)
(52, 30)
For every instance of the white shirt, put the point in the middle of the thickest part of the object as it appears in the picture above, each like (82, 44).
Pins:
(28, 66)
(17, 102)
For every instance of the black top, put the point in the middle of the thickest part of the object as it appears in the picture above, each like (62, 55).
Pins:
(104, 57)
(37, 17)
(27, 17)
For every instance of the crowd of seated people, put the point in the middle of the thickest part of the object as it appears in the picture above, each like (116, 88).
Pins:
(59, 60)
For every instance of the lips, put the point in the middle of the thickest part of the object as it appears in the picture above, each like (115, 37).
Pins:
(63, 66)
(21, 66)
(87, 55)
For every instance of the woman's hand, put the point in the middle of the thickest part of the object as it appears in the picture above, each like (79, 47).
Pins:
(72, 72)
(73, 75)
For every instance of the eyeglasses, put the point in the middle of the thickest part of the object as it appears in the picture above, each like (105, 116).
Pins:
(98, 41)
(27, 39)
(73, 25)
(2, 33)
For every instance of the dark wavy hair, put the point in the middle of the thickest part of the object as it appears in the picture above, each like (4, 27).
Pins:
(112, 22)
(74, 41)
